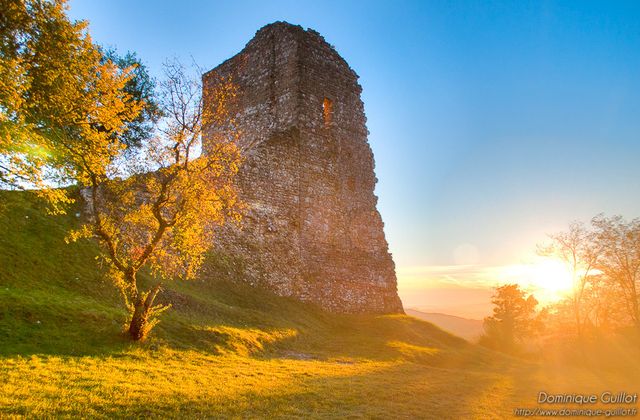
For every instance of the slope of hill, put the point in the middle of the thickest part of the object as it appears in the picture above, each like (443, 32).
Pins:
(224, 350)
(469, 329)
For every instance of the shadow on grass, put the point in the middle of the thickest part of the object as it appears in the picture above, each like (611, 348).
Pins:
(224, 318)
(25, 333)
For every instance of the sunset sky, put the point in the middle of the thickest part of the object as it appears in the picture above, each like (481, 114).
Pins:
(492, 123)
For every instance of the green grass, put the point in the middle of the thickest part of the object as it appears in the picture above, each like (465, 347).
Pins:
(229, 350)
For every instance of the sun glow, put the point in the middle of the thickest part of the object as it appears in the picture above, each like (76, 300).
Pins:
(552, 275)
(465, 289)
(550, 280)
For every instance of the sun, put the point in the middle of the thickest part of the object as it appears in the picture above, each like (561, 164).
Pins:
(548, 279)
(551, 277)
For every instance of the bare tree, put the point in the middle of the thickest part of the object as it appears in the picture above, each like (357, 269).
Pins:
(603, 304)
(578, 250)
(620, 258)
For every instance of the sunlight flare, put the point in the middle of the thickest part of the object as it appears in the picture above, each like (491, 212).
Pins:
(552, 276)
(547, 278)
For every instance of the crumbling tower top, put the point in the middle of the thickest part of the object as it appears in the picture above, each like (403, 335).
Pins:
(292, 78)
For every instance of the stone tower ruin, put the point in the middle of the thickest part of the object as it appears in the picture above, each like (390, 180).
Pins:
(312, 230)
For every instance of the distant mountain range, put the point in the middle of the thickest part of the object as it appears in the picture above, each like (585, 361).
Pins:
(469, 329)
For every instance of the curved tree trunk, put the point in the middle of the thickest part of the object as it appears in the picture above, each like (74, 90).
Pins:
(140, 326)
(139, 322)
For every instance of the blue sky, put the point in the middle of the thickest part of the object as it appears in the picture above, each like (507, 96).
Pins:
(492, 123)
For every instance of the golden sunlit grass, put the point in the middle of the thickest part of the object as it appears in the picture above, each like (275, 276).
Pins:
(233, 351)
(187, 383)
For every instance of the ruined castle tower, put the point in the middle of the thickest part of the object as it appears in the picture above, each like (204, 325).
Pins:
(312, 229)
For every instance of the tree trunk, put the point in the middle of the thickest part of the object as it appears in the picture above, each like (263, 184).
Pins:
(140, 326)
(139, 321)
(636, 307)
(636, 316)
(576, 311)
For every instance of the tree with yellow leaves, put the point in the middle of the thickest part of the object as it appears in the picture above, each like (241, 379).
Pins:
(157, 210)
(68, 114)
(61, 99)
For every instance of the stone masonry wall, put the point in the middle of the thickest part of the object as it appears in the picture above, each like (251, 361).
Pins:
(311, 230)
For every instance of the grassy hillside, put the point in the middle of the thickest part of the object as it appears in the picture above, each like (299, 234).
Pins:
(226, 349)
